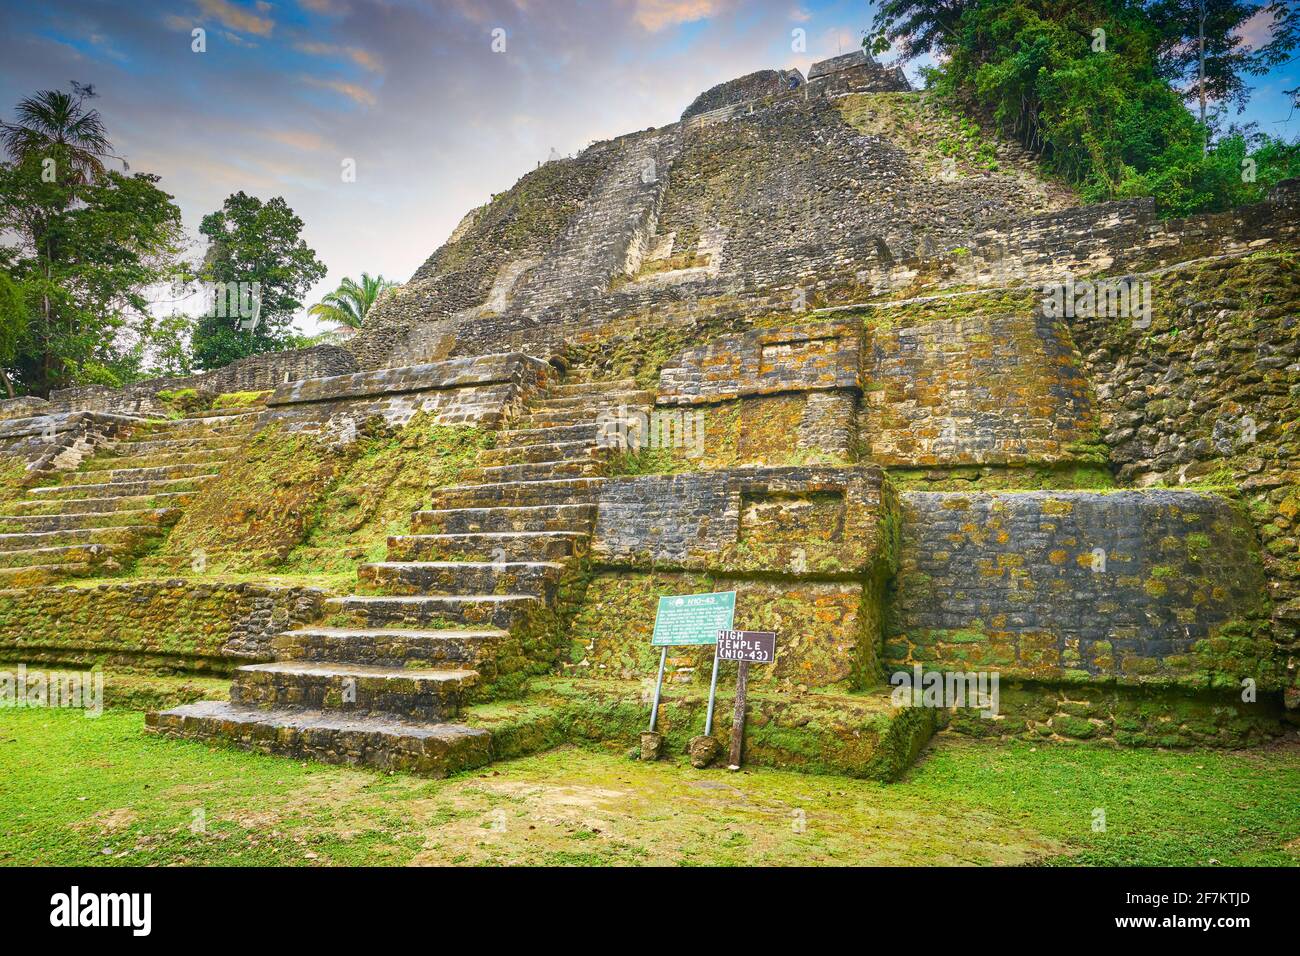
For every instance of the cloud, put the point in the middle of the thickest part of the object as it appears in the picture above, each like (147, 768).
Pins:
(237, 18)
(298, 139)
(358, 94)
(334, 7)
(654, 15)
(362, 58)
(1258, 30)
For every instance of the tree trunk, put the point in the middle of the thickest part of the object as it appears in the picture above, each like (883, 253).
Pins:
(9, 386)
(1200, 84)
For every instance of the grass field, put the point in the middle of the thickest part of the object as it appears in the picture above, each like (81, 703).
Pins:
(85, 791)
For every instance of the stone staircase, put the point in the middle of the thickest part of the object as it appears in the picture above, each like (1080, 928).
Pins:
(382, 681)
(100, 517)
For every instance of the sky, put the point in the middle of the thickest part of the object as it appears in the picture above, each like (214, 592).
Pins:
(434, 105)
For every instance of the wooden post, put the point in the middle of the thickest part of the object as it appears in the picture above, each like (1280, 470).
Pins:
(738, 716)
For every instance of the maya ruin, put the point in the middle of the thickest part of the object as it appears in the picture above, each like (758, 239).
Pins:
(993, 463)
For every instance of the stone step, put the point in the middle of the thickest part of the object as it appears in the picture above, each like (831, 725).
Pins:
(394, 647)
(68, 506)
(422, 612)
(565, 491)
(119, 476)
(193, 428)
(112, 459)
(132, 489)
(426, 694)
(384, 743)
(594, 402)
(542, 451)
(131, 446)
(460, 577)
(249, 413)
(142, 517)
(515, 437)
(527, 518)
(37, 575)
(487, 546)
(557, 418)
(540, 471)
(594, 388)
(89, 554)
(114, 537)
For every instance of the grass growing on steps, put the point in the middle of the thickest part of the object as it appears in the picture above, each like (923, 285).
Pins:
(79, 791)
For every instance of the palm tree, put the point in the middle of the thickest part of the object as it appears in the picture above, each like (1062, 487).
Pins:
(54, 124)
(347, 305)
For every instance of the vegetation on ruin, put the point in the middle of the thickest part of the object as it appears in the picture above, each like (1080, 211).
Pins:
(1098, 90)
(389, 474)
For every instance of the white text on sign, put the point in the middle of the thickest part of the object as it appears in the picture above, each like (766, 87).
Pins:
(755, 646)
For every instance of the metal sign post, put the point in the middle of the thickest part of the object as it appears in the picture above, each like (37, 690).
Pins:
(659, 683)
(713, 691)
(686, 619)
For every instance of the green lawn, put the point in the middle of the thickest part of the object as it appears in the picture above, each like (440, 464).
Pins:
(82, 791)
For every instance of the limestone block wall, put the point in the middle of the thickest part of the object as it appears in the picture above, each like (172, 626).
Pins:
(59, 441)
(979, 389)
(799, 520)
(1101, 239)
(770, 394)
(192, 624)
(743, 89)
(1210, 393)
(1130, 587)
(253, 374)
(482, 390)
(806, 549)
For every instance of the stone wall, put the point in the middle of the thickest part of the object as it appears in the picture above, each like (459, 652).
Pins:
(814, 521)
(185, 623)
(1130, 587)
(482, 390)
(767, 396)
(256, 373)
(1209, 393)
(979, 389)
(806, 549)
(743, 89)
(59, 441)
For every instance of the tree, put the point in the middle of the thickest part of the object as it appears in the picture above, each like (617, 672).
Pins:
(85, 254)
(13, 326)
(351, 301)
(1202, 45)
(54, 125)
(1088, 85)
(257, 248)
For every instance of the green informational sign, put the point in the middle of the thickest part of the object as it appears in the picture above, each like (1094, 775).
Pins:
(693, 618)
